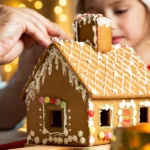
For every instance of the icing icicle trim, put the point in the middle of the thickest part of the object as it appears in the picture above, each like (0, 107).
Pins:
(34, 86)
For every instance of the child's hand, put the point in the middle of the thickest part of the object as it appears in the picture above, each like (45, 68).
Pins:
(17, 23)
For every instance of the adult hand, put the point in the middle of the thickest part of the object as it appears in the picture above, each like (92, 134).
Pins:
(21, 27)
(27, 60)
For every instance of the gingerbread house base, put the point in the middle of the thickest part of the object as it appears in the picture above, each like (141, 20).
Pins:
(35, 147)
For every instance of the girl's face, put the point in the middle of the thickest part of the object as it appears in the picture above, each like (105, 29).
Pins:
(129, 19)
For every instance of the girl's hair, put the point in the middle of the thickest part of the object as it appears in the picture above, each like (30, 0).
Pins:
(80, 7)
(147, 10)
(146, 7)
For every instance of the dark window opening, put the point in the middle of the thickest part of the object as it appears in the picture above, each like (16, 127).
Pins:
(56, 118)
(105, 117)
(144, 114)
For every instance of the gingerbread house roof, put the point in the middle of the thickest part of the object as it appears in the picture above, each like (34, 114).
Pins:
(115, 74)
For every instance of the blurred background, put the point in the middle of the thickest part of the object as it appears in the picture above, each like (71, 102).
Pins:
(61, 12)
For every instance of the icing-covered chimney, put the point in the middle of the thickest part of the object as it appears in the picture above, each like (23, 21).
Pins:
(95, 30)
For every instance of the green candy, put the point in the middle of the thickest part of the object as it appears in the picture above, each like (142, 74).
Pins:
(62, 104)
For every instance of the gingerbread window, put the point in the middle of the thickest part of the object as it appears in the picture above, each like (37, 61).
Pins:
(127, 113)
(143, 114)
(54, 118)
(144, 111)
(105, 116)
(127, 116)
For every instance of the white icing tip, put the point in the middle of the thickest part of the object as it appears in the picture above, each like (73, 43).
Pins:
(104, 21)
(54, 39)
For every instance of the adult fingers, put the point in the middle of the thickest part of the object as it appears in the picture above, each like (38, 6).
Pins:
(52, 28)
(62, 34)
(10, 32)
(33, 31)
(48, 25)
(14, 53)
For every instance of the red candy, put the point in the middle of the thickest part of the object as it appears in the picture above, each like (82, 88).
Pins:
(106, 137)
(90, 113)
(148, 67)
(52, 100)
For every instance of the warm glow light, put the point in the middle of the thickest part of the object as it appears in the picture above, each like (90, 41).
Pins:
(62, 2)
(30, 0)
(8, 68)
(16, 61)
(21, 5)
(63, 18)
(58, 10)
(38, 4)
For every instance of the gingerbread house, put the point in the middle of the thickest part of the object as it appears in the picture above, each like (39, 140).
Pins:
(80, 90)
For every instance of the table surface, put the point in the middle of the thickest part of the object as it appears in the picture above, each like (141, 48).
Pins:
(102, 147)
(11, 136)
(7, 137)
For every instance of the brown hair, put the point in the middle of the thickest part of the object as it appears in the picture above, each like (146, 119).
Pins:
(146, 7)
(147, 10)
(80, 6)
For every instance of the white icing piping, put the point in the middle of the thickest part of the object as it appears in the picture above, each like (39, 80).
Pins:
(75, 30)
(137, 78)
(91, 121)
(127, 104)
(34, 86)
(95, 36)
(104, 21)
(107, 107)
(87, 18)
(45, 131)
(89, 42)
(129, 51)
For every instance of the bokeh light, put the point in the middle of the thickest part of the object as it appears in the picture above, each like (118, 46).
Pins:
(22, 5)
(8, 68)
(58, 10)
(62, 2)
(16, 61)
(38, 4)
(63, 18)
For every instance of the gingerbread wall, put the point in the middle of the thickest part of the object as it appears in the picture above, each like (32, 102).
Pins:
(57, 86)
(118, 117)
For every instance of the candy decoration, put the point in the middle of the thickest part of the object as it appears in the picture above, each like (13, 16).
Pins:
(63, 104)
(47, 100)
(113, 139)
(41, 99)
(57, 102)
(90, 113)
(106, 137)
(101, 135)
(92, 130)
(110, 135)
(52, 101)
(148, 67)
